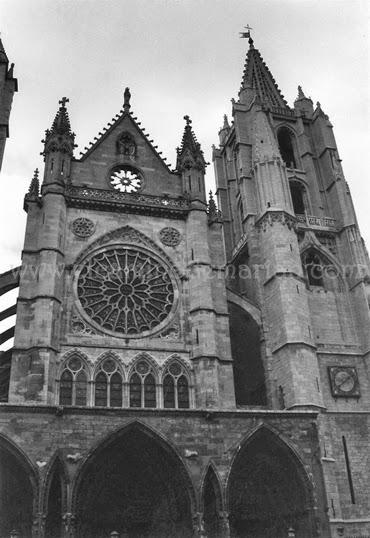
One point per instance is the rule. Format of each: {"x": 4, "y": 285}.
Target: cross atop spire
{"x": 63, "y": 101}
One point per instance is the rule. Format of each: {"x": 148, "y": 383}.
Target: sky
{"x": 178, "y": 57}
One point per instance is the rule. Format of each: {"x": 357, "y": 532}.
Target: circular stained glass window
{"x": 125, "y": 179}
{"x": 126, "y": 291}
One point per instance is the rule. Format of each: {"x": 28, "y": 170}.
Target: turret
{"x": 191, "y": 164}
{"x": 59, "y": 143}
{"x": 303, "y": 104}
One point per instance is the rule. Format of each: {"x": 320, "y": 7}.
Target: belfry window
{"x": 286, "y": 147}
{"x": 176, "y": 387}
{"x": 297, "y": 192}
{"x": 73, "y": 383}
{"x": 143, "y": 386}
{"x": 108, "y": 385}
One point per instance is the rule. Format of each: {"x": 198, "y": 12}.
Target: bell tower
{"x": 295, "y": 254}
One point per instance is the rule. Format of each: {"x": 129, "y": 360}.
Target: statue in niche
{"x": 126, "y": 146}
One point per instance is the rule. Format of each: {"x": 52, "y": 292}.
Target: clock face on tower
{"x": 344, "y": 381}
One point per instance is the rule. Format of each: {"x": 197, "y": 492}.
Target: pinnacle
{"x": 61, "y": 123}
{"x": 34, "y": 187}
{"x": 190, "y": 147}
{"x": 3, "y": 56}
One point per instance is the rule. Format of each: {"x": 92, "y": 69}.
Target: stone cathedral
{"x": 183, "y": 368}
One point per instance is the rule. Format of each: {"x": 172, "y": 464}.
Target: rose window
{"x": 125, "y": 179}
{"x": 125, "y": 291}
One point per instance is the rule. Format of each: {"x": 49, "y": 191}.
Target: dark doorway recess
{"x": 249, "y": 376}
{"x": 16, "y": 494}
{"x": 134, "y": 485}
{"x": 212, "y": 505}
{"x": 268, "y": 491}
{"x": 53, "y": 526}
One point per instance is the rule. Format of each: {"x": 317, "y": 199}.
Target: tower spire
{"x": 257, "y": 76}
{"x": 60, "y": 136}
{"x": 189, "y": 154}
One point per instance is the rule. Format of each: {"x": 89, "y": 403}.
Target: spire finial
{"x": 247, "y": 35}
{"x": 188, "y": 120}
{"x": 301, "y": 94}
{"x": 34, "y": 188}
{"x": 126, "y": 102}
{"x": 226, "y": 123}
{"x": 63, "y": 101}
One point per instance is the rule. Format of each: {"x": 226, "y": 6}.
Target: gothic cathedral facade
{"x": 181, "y": 368}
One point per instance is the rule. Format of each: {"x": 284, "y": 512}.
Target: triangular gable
{"x": 112, "y": 126}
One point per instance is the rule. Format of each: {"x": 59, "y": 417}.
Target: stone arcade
{"x": 180, "y": 370}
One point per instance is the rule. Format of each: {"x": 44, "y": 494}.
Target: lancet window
{"x": 73, "y": 382}
{"x": 176, "y": 387}
{"x": 143, "y": 385}
{"x": 108, "y": 384}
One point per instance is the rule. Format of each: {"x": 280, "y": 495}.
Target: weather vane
{"x": 246, "y": 34}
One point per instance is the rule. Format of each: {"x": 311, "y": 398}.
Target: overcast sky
{"x": 178, "y": 57}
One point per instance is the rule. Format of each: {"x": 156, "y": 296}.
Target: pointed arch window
{"x": 176, "y": 392}
{"x": 108, "y": 384}
{"x": 286, "y": 143}
{"x": 73, "y": 382}
{"x": 321, "y": 272}
{"x": 143, "y": 385}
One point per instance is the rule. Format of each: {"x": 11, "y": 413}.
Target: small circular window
{"x": 125, "y": 178}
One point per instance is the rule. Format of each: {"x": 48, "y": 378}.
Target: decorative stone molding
{"x": 134, "y": 202}
{"x": 83, "y": 227}
{"x": 78, "y": 326}
{"x": 276, "y": 217}
{"x": 170, "y": 237}
{"x": 171, "y": 333}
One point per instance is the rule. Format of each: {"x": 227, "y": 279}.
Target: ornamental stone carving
{"x": 126, "y": 291}
{"x": 83, "y": 227}
{"x": 170, "y": 237}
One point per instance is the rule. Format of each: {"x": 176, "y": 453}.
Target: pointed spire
{"x": 226, "y": 122}
{"x": 126, "y": 102}
{"x": 257, "y": 76}
{"x": 214, "y": 215}
{"x": 34, "y": 188}
{"x": 189, "y": 154}
{"x": 3, "y": 56}
{"x": 224, "y": 131}
{"x": 303, "y": 104}
{"x": 301, "y": 95}
{"x": 60, "y": 137}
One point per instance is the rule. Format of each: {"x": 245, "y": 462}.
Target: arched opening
{"x": 268, "y": 491}
{"x": 16, "y": 492}
{"x": 286, "y": 147}
{"x": 55, "y": 502}
{"x": 249, "y": 375}
{"x": 212, "y": 505}
{"x": 320, "y": 271}
{"x": 134, "y": 485}
{"x": 176, "y": 386}
{"x": 73, "y": 382}
{"x": 298, "y": 195}
{"x": 143, "y": 385}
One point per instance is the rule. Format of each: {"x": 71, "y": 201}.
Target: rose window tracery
{"x": 126, "y": 291}
{"x": 83, "y": 227}
{"x": 126, "y": 179}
